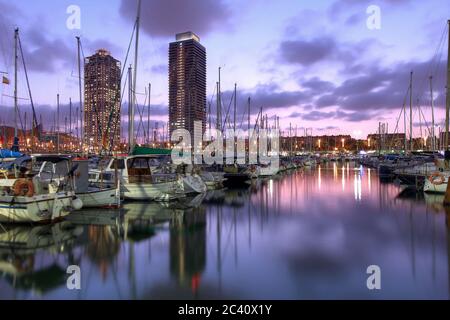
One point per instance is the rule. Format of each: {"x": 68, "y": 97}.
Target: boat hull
{"x": 430, "y": 187}
{"x": 164, "y": 191}
{"x": 37, "y": 209}
{"x": 100, "y": 198}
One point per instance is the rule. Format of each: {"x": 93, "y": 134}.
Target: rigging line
{"x": 228, "y": 112}
{"x": 82, "y": 51}
{"x": 22, "y": 127}
{"x": 421, "y": 92}
{"x": 401, "y": 111}
{"x": 29, "y": 88}
{"x": 121, "y": 78}
{"x": 141, "y": 122}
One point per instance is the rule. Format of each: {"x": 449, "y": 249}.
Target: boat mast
{"x": 57, "y": 123}
{"x": 433, "y": 142}
{"x": 235, "y": 105}
{"x": 410, "y": 113}
{"x": 219, "y": 104}
{"x": 80, "y": 94}
{"x": 148, "y": 117}
{"x": 405, "y": 147}
{"x": 447, "y": 101}
{"x": 217, "y": 107}
{"x": 133, "y": 104}
{"x": 16, "y": 106}
{"x": 248, "y": 126}
{"x": 130, "y": 107}
{"x": 209, "y": 120}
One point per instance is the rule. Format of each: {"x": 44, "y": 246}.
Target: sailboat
{"x": 437, "y": 182}
{"x": 24, "y": 197}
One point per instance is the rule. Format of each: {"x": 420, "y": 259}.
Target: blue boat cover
{"x": 5, "y": 153}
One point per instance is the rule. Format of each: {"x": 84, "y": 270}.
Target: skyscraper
{"x": 101, "y": 101}
{"x": 187, "y": 83}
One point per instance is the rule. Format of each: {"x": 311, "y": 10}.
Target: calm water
{"x": 310, "y": 234}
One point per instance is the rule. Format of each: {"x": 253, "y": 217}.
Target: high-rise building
{"x": 101, "y": 101}
{"x": 187, "y": 83}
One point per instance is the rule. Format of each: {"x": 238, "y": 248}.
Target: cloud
{"x": 316, "y": 115}
{"x": 322, "y": 49}
{"x": 268, "y": 96}
{"x": 378, "y": 88}
{"x": 161, "y": 68}
{"x": 42, "y": 52}
{"x": 91, "y": 46}
{"x": 318, "y": 85}
{"x": 165, "y": 18}
{"x": 307, "y": 52}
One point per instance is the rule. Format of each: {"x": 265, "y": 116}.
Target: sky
{"x": 315, "y": 64}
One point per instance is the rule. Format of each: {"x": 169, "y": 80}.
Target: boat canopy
{"x": 140, "y": 151}
{"x": 6, "y": 153}
{"x": 52, "y": 159}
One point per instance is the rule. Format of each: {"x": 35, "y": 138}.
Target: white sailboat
{"x": 137, "y": 181}
{"x": 24, "y": 198}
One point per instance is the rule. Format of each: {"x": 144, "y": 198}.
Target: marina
{"x": 153, "y": 156}
{"x": 280, "y": 238}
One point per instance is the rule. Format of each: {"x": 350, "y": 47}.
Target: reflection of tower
{"x": 188, "y": 247}
{"x": 103, "y": 247}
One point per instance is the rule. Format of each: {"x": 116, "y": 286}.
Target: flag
{"x": 5, "y": 80}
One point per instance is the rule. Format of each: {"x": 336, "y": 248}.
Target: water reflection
{"x": 26, "y": 272}
{"x": 310, "y": 234}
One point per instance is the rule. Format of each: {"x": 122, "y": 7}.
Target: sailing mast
{"x": 219, "y": 105}
{"x": 433, "y": 140}
{"x": 405, "y": 143}
{"x": 130, "y": 107}
{"x": 134, "y": 81}
{"x": 235, "y": 105}
{"x": 148, "y": 117}
{"x": 16, "y": 106}
{"x": 410, "y": 113}
{"x": 57, "y": 123}
{"x": 80, "y": 94}
{"x": 447, "y": 101}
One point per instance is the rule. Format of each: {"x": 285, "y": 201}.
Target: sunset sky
{"x": 314, "y": 63}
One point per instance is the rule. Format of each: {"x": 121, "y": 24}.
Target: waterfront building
{"x": 102, "y": 75}
{"x": 187, "y": 83}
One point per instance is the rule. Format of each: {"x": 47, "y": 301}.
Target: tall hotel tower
{"x": 101, "y": 101}
{"x": 187, "y": 83}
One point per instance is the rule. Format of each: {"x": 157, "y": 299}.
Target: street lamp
{"x": 319, "y": 143}
{"x": 343, "y": 143}
{"x": 368, "y": 142}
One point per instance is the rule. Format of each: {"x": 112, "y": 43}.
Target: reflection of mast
{"x": 219, "y": 246}
{"x": 132, "y": 271}
{"x": 103, "y": 247}
{"x": 188, "y": 247}
{"x": 235, "y": 238}
{"x": 413, "y": 248}
{"x": 447, "y": 223}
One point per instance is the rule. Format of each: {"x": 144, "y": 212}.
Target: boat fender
{"x": 77, "y": 204}
{"x": 23, "y": 187}
{"x": 437, "y": 178}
